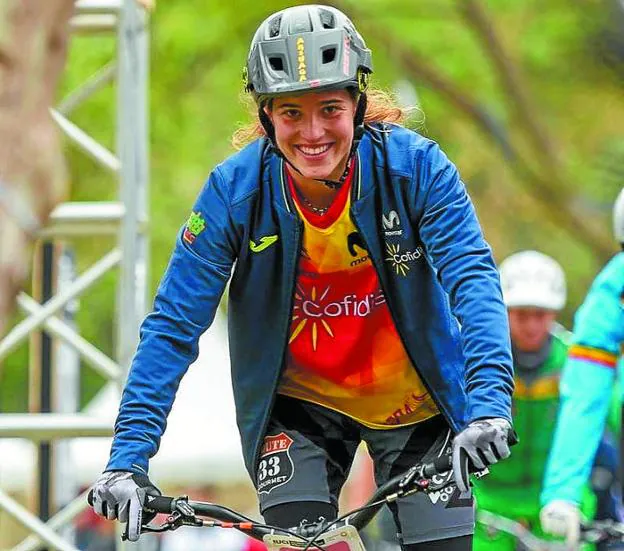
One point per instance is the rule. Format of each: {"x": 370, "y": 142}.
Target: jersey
{"x": 512, "y": 488}
{"x": 344, "y": 351}
{"x": 514, "y": 485}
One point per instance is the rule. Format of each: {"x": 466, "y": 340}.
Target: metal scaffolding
{"x": 125, "y": 218}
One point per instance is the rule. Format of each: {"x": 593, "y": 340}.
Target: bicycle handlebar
{"x": 182, "y": 511}
{"x": 184, "y": 507}
{"x": 168, "y": 505}
{"x": 418, "y": 478}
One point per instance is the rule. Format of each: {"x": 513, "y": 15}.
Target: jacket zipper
{"x": 267, "y": 416}
{"x": 399, "y": 331}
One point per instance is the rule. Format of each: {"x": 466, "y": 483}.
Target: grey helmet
{"x": 618, "y": 218}
{"x": 306, "y": 48}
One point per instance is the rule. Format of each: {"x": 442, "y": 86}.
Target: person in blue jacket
{"x": 586, "y": 391}
{"x": 364, "y": 303}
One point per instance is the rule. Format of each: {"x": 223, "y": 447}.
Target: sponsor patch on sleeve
{"x": 194, "y": 226}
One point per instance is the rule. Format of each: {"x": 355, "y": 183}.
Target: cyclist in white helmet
{"x": 534, "y": 291}
{"x": 586, "y": 389}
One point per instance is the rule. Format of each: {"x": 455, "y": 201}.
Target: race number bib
{"x": 339, "y": 539}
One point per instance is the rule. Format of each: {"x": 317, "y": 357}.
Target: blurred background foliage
{"x": 525, "y": 96}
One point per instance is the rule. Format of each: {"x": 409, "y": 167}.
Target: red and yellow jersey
{"x": 344, "y": 351}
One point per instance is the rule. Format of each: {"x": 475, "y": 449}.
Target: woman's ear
{"x": 268, "y": 112}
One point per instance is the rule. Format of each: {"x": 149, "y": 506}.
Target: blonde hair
{"x": 381, "y": 107}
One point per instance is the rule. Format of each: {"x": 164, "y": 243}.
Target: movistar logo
{"x": 264, "y": 243}
{"x": 390, "y": 222}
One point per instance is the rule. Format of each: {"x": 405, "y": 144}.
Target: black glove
{"x": 484, "y": 442}
{"x": 121, "y": 495}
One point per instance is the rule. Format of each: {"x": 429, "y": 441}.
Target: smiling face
{"x": 314, "y": 131}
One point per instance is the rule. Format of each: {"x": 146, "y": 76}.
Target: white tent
{"x": 201, "y": 443}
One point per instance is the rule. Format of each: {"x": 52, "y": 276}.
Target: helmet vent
{"x": 300, "y": 23}
{"x": 329, "y": 55}
{"x": 274, "y": 26}
{"x": 276, "y": 63}
{"x": 327, "y": 19}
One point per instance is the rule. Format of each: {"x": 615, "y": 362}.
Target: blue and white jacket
{"x": 247, "y": 222}
{"x": 587, "y": 385}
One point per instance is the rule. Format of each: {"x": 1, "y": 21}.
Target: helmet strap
{"x": 266, "y": 123}
{"x": 358, "y": 122}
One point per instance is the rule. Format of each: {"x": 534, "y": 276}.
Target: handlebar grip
{"x": 438, "y": 465}
{"x": 445, "y": 463}
{"x": 159, "y": 504}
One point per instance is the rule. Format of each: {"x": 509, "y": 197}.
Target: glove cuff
{"x": 142, "y": 481}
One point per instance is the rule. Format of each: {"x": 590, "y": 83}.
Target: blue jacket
{"x": 587, "y": 385}
{"x": 420, "y": 229}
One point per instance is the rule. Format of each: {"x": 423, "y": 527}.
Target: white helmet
{"x": 532, "y": 279}
{"x": 618, "y": 218}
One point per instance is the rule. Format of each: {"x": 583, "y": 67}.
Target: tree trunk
{"x": 547, "y": 188}
{"x": 33, "y": 43}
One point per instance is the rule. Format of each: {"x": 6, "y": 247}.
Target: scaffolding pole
{"x": 125, "y": 219}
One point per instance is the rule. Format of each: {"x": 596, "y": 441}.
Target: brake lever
{"x": 409, "y": 476}
{"x": 183, "y": 515}
{"x": 182, "y": 506}
{"x": 415, "y": 480}
{"x": 151, "y": 529}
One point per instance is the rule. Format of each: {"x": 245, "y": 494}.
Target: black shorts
{"x": 308, "y": 451}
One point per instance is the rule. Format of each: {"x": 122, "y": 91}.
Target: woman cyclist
{"x": 364, "y": 303}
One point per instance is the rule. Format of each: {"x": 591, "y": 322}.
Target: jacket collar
{"x": 366, "y": 166}
{"x": 363, "y": 180}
